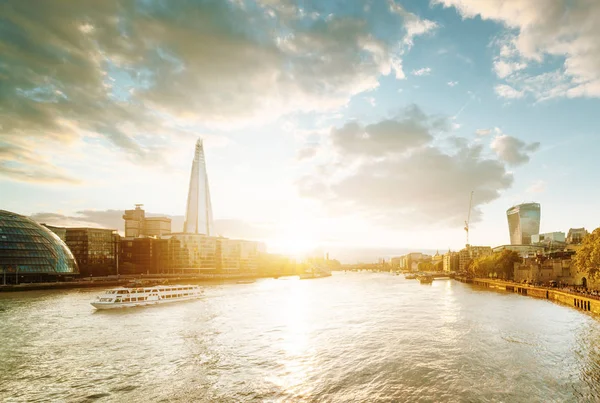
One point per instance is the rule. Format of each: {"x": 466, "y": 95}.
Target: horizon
{"x": 351, "y": 128}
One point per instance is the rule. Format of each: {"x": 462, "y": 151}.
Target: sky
{"x": 336, "y": 125}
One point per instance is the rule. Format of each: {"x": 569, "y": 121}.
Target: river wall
{"x": 574, "y": 300}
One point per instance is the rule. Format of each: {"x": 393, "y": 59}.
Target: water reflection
{"x": 347, "y": 337}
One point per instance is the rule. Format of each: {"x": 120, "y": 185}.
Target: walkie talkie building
{"x": 198, "y": 215}
{"x": 523, "y": 222}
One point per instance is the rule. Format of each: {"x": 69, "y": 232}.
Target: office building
{"x": 30, "y": 252}
{"x": 575, "y": 235}
{"x": 157, "y": 226}
{"x": 524, "y": 251}
{"x": 144, "y": 256}
{"x": 451, "y": 261}
{"x": 198, "y": 215}
{"x": 138, "y": 225}
{"x": 95, "y": 250}
{"x": 523, "y": 222}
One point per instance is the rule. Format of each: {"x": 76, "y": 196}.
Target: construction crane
{"x": 469, "y": 217}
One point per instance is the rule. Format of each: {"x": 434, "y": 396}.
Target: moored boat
{"x": 315, "y": 272}
{"x": 426, "y": 279}
{"x": 122, "y": 297}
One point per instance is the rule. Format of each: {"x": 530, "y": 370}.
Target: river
{"x": 350, "y": 337}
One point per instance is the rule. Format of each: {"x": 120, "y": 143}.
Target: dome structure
{"x": 27, "y": 248}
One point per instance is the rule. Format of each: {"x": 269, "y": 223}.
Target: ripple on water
{"x": 349, "y": 337}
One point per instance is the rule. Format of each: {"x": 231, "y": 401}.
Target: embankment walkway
{"x": 574, "y": 300}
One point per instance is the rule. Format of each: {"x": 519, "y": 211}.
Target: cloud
{"x": 307, "y": 152}
{"x": 483, "y": 132}
{"x": 409, "y": 130}
{"x": 425, "y": 71}
{"x": 512, "y": 150}
{"x": 132, "y": 73}
{"x": 506, "y": 91}
{"x": 555, "y": 28}
{"x": 413, "y": 25}
{"x": 503, "y": 69}
{"x": 26, "y": 165}
{"x": 537, "y": 187}
{"x": 452, "y": 83}
{"x": 406, "y": 177}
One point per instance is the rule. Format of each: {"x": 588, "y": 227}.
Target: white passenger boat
{"x": 122, "y": 297}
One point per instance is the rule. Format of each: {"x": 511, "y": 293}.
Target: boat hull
{"x": 120, "y": 305}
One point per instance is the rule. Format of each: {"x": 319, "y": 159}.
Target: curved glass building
{"x": 523, "y": 222}
{"x": 31, "y": 252}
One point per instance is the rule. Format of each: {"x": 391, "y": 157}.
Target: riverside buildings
{"x": 151, "y": 248}
{"x": 94, "y": 249}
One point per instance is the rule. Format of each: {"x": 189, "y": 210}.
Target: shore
{"x": 577, "y": 301}
{"x": 130, "y": 281}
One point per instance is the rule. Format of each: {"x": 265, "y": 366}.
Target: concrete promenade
{"x": 575, "y": 300}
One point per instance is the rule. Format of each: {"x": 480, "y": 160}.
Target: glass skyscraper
{"x": 523, "y": 222}
{"x": 198, "y": 215}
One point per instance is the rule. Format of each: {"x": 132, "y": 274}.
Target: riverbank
{"x": 576, "y": 301}
{"x": 129, "y": 281}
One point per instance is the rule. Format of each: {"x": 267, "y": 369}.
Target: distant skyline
{"x": 362, "y": 126}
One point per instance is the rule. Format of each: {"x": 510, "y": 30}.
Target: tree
{"x": 498, "y": 265}
{"x": 587, "y": 258}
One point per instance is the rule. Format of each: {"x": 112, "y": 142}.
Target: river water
{"x": 350, "y": 337}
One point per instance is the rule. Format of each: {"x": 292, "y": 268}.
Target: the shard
{"x": 198, "y": 215}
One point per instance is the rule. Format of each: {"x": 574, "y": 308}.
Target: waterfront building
{"x": 144, "y": 256}
{"x": 555, "y": 266}
{"x": 138, "y": 225}
{"x": 451, "y": 261}
{"x": 575, "y": 236}
{"x": 471, "y": 252}
{"x": 95, "y": 250}
{"x": 60, "y": 231}
{"x": 30, "y": 252}
{"x": 524, "y": 251}
{"x": 198, "y": 253}
{"x": 412, "y": 260}
{"x": 395, "y": 262}
{"x": 192, "y": 253}
{"x": 198, "y": 214}
{"x": 157, "y": 226}
{"x": 437, "y": 260}
{"x": 523, "y": 222}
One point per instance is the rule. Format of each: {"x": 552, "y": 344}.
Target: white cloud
{"x": 503, "y": 68}
{"x": 566, "y": 29}
{"x": 483, "y": 132}
{"x": 212, "y": 64}
{"x": 506, "y": 91}
{"x": 452, "y": 83}
{"x": 413, "y": 25}
{"x": 396, "y": 175}
{"x": 512, "y": 150}
{"x": 425, "y": 71}
{"x": 537, "y": 187}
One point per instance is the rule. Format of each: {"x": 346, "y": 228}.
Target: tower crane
{"x": 469, "y": 217}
